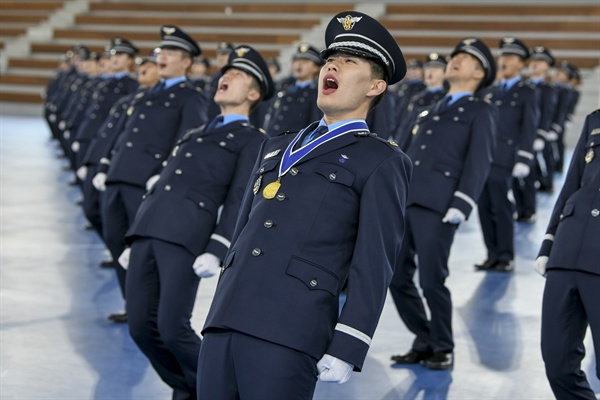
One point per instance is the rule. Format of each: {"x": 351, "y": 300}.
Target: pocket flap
{"x": 313, "y": 276}
{"x": 335, "y": 173}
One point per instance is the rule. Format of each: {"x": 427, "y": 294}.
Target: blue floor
{"x": 54, "y": 299}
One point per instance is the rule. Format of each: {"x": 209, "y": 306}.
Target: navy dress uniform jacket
{"x": 517, "y": 127}
{"x": 451, "y": 152}
{"x": 205, "y": 170}
{"x": 573, "y": 233}
{"x": 338, "y": 215}
{"x": 103, "y": 99}
{"x": 293, "y": 109}
{"x": 417, "y": 105}
{"x": 154, "y": 123}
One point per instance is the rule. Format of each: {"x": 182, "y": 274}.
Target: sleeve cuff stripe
{"x": 525, "y": 154}
{"x": 548, "y": 236}
{"x": 104, "y": 161}
{"x": 221, "y": 240}
{"x": 354, "y": 333}
{"x": 466, "y": 198}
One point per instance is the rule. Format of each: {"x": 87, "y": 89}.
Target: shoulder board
{"x": 390, "y": 143}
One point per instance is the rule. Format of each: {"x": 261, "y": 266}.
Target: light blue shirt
{"x": 457, "y": 96}
{"x": 173, "y": 81}
{"x": 510, "y": 82}
{"x": 229, "y": 118}
{"x": 121, "y": 75}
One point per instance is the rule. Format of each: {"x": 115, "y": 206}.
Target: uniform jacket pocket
{"x": 313, "y": 276}
{"x": 335, "y": 173}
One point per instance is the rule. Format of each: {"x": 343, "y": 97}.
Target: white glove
{"x": 152, "y": 181}
{"x": 81, "y": 172}
{"x": 333, "y": 369}
{"x": 520, "y": 170}
{"x": 99, "y": 181}
{"x": 454, "y": 216}
{"x": 75, "y": 146}
{"x": 124, "y": 258}
{"x": 551, "y": 136}
{"x": 207, "y": 265}
{"x": 539, "y": 144}
{"x": 540, "y": 265}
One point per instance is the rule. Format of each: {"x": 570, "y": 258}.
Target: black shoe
{"x": 527, "y": 220}
{"x": 440, "y": 361}
{"x": 118, "y": 318}
{"x": 106, "y": 264}
{"x": 87, "y": 227}
{"x": 505, "y": 266}
{"x": 487, "y": 264}
{"x": 412, "y": 357}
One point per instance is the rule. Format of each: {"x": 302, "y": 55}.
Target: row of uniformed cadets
{"x": 155, "y": 177}
{"x": 459, "y": 175}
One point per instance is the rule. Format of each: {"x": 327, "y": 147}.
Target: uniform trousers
{"x": 430, "y": 239}
{"x": 571, "y": 302}
{"x": 91, "y": 202}
{"x": 119, "y": 207}
{"x": 496, "y": 215}
{"x": 161, "y": 292}
{"x": 546, "y": 178}
{"x": 234, "y": 366}
{"x": 524, "y": 193}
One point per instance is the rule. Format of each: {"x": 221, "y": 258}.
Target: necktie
{"x": 214, "y": 124}
{"x": 444, "y": 104}
{"x": 314, "y": 134}
{"x": 159, "y": 86}
{"x": 503, "y": 87}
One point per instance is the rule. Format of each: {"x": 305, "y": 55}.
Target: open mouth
{"x": 330, "y": 84}
{"x": 162, "y": 65}
{"x": 223, "y": 87}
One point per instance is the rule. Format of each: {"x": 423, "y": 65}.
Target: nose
{"x": 331, "y": 66}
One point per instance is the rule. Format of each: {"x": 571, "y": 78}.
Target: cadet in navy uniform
{"x": 524, "y": 190}
{"x": 563, "y": 73}
{"x": 569, "y": 258}
{"x": 156, "y": 120}
{"x": 540, "y": 62}
{"x": 296, "y": 106}
{"x": 518, "y": 104}
{"x": 175, "y": 232}
{"x": 451, "y": 150}
{"x": 120, "y": 84}
{"x": 318, "y": 210}
{"x": 106, "y": 137}
{"x": 434, "y": 76}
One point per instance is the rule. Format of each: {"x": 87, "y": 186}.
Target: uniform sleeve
{"x": 220, "y": 240}
{"x": 478, "y": 160}
{"x": 529, "y": 124}
{"x": 548, "y": 98}
{"x": 571, "y": 185}
{"x": 379, "y": 238}
{"x": 560, "y": 114}
{"x": 104, "y": 162}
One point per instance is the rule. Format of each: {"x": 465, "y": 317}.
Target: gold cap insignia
{"x": 303, "y": 48}
{"x": 434, "y": 56}
{"x": 348, "y": 22}
{"x": 539, "y": 49}
{"x": 242, "y": 51}
{"x": 169, "y": 30}
{"x": 469, "y": 41}
{"x": 508, "y": 39}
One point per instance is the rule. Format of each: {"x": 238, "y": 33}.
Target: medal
{"x": 257, "y": 185}
{"x": 589, "y": 156}
{"x": 271, "y": 189}
{"x": 292, "y": 157}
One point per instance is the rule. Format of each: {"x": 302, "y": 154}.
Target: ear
{"x": 479, "y": 74}
{"x": 253, "y": 95}
{"x": 378, "y": 86}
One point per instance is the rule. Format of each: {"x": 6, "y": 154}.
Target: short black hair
{"x": 377, "y": 72}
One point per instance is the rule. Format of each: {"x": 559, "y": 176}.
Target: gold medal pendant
{"x": 589, "y": 156}
{"x": 271, "y": 189}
